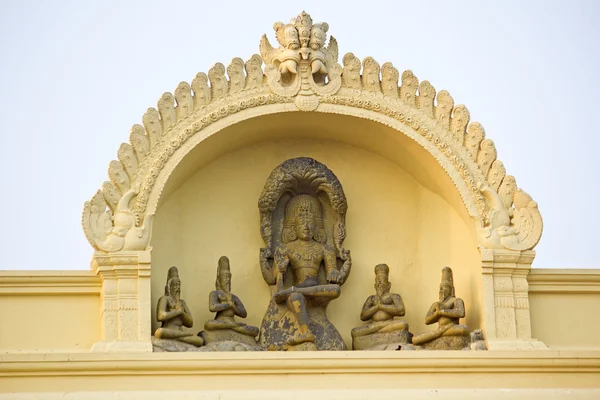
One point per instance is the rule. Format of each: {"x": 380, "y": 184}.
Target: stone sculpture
{"x": 121, "y": 231}
{"x": 447, "y": 312}
{"x": 303, "y": 259}
{"x": 226, "y": 305}
{"x": 302, "y": 65}
{"x": 174, "y": 314}
{"x": 303, "y": 251}
{"x": 382, "y": 331}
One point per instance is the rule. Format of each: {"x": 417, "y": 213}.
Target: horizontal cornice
{"x": 49, "y": 282}
{"x": 564, "y": 281}
{"x": 280, "y": 363}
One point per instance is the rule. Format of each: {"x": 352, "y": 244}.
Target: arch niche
{"x": 424, "y": 187}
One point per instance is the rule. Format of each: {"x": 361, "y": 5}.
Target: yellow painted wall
{"x": 53, "y": 323}
{"x": 566, "y": 320}
{"x": 392, "y": 218}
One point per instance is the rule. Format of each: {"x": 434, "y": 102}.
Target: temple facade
{"x": 305, "y": 224}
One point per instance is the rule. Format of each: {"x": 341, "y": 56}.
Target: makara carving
{"x": 123, "y": 231}
{"x": 382, "y": 331}
{"x": 303, "y": 210}
{"x": 447, "y": 312}
{"x": 518, "y": 228}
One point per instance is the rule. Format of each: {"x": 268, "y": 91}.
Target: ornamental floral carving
{"x": 305, "y": 72}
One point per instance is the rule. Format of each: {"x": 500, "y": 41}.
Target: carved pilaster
{"x": 110, "y": 308}
{"x": 521, "y": 293}
{"x": 507, "y": 317}
{"x": 125, "y": 325}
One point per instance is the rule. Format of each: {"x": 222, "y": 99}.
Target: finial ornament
{"x": 302, "y": 65}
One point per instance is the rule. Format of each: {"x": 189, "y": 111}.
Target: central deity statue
{"x": 304, "y": 250}
{"x": 303, "y": 224}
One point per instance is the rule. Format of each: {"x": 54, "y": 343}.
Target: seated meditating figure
{"x": 379, "y": 310}
{"x": 447, "y": 312}
{"x": 227, "y": 306}
{"x": 174, "y": 314}
{"x": 303, "y": 249}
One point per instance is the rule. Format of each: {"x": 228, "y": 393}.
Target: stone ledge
{"x": 28, "y": 364}
{"x": 575, "y": 281}
{"x": 49, "y": 282}
{"x": 332, "y": 394}
{"x": 340, "y": 372}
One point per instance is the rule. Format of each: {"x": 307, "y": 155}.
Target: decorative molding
{"x": 330, "y": 394}
{"x": 304, "y": 74}
{"x": 25, "y": 283}
{"x": 279, "y": 363}
{"x": 564, "y": 281}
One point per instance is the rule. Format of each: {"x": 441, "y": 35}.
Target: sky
{"x": 76, "y": 75}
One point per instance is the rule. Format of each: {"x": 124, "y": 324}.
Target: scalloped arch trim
{"x": 119, "y": 216}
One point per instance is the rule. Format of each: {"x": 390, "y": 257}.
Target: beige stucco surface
{"x": 332, "y": 394}
{"x": 392, "y": 218}
{"x": 297, "y": 375}
{"x": 566, "y": 320}
{"x": 49, "y": 323}
{"x": 564, "y": 308}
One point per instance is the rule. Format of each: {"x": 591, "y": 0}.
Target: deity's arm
{"x": 214, "y": 304}
{"x": 457, "y": 312}
{"x": 397, "y": 308}
{"x": 266, "y": 268}
{"x": 330, "y": 260}
{"x": 186, "y": 315}
{"x": 281, "y": 261}
{"x": 238, "y": 307}
{"x": 433, "y": 314}
{"x": 161, "y": 310}
{"x": 369, "y": 309}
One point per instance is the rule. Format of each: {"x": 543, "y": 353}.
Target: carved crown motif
{"x": 302, "y": 64}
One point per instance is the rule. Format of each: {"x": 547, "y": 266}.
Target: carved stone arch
{"x": 119, "y": 216}
{"x": 491, "y": 200}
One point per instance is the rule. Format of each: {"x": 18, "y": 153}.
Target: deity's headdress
{"x": 447, "y": 279}
{"x": 172, "y": 275}
{"x": 302, "y": 206}
{"x": 303, "y": 23}
{"x": 222, "y": 268}
{"x": 382, "y": 269}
